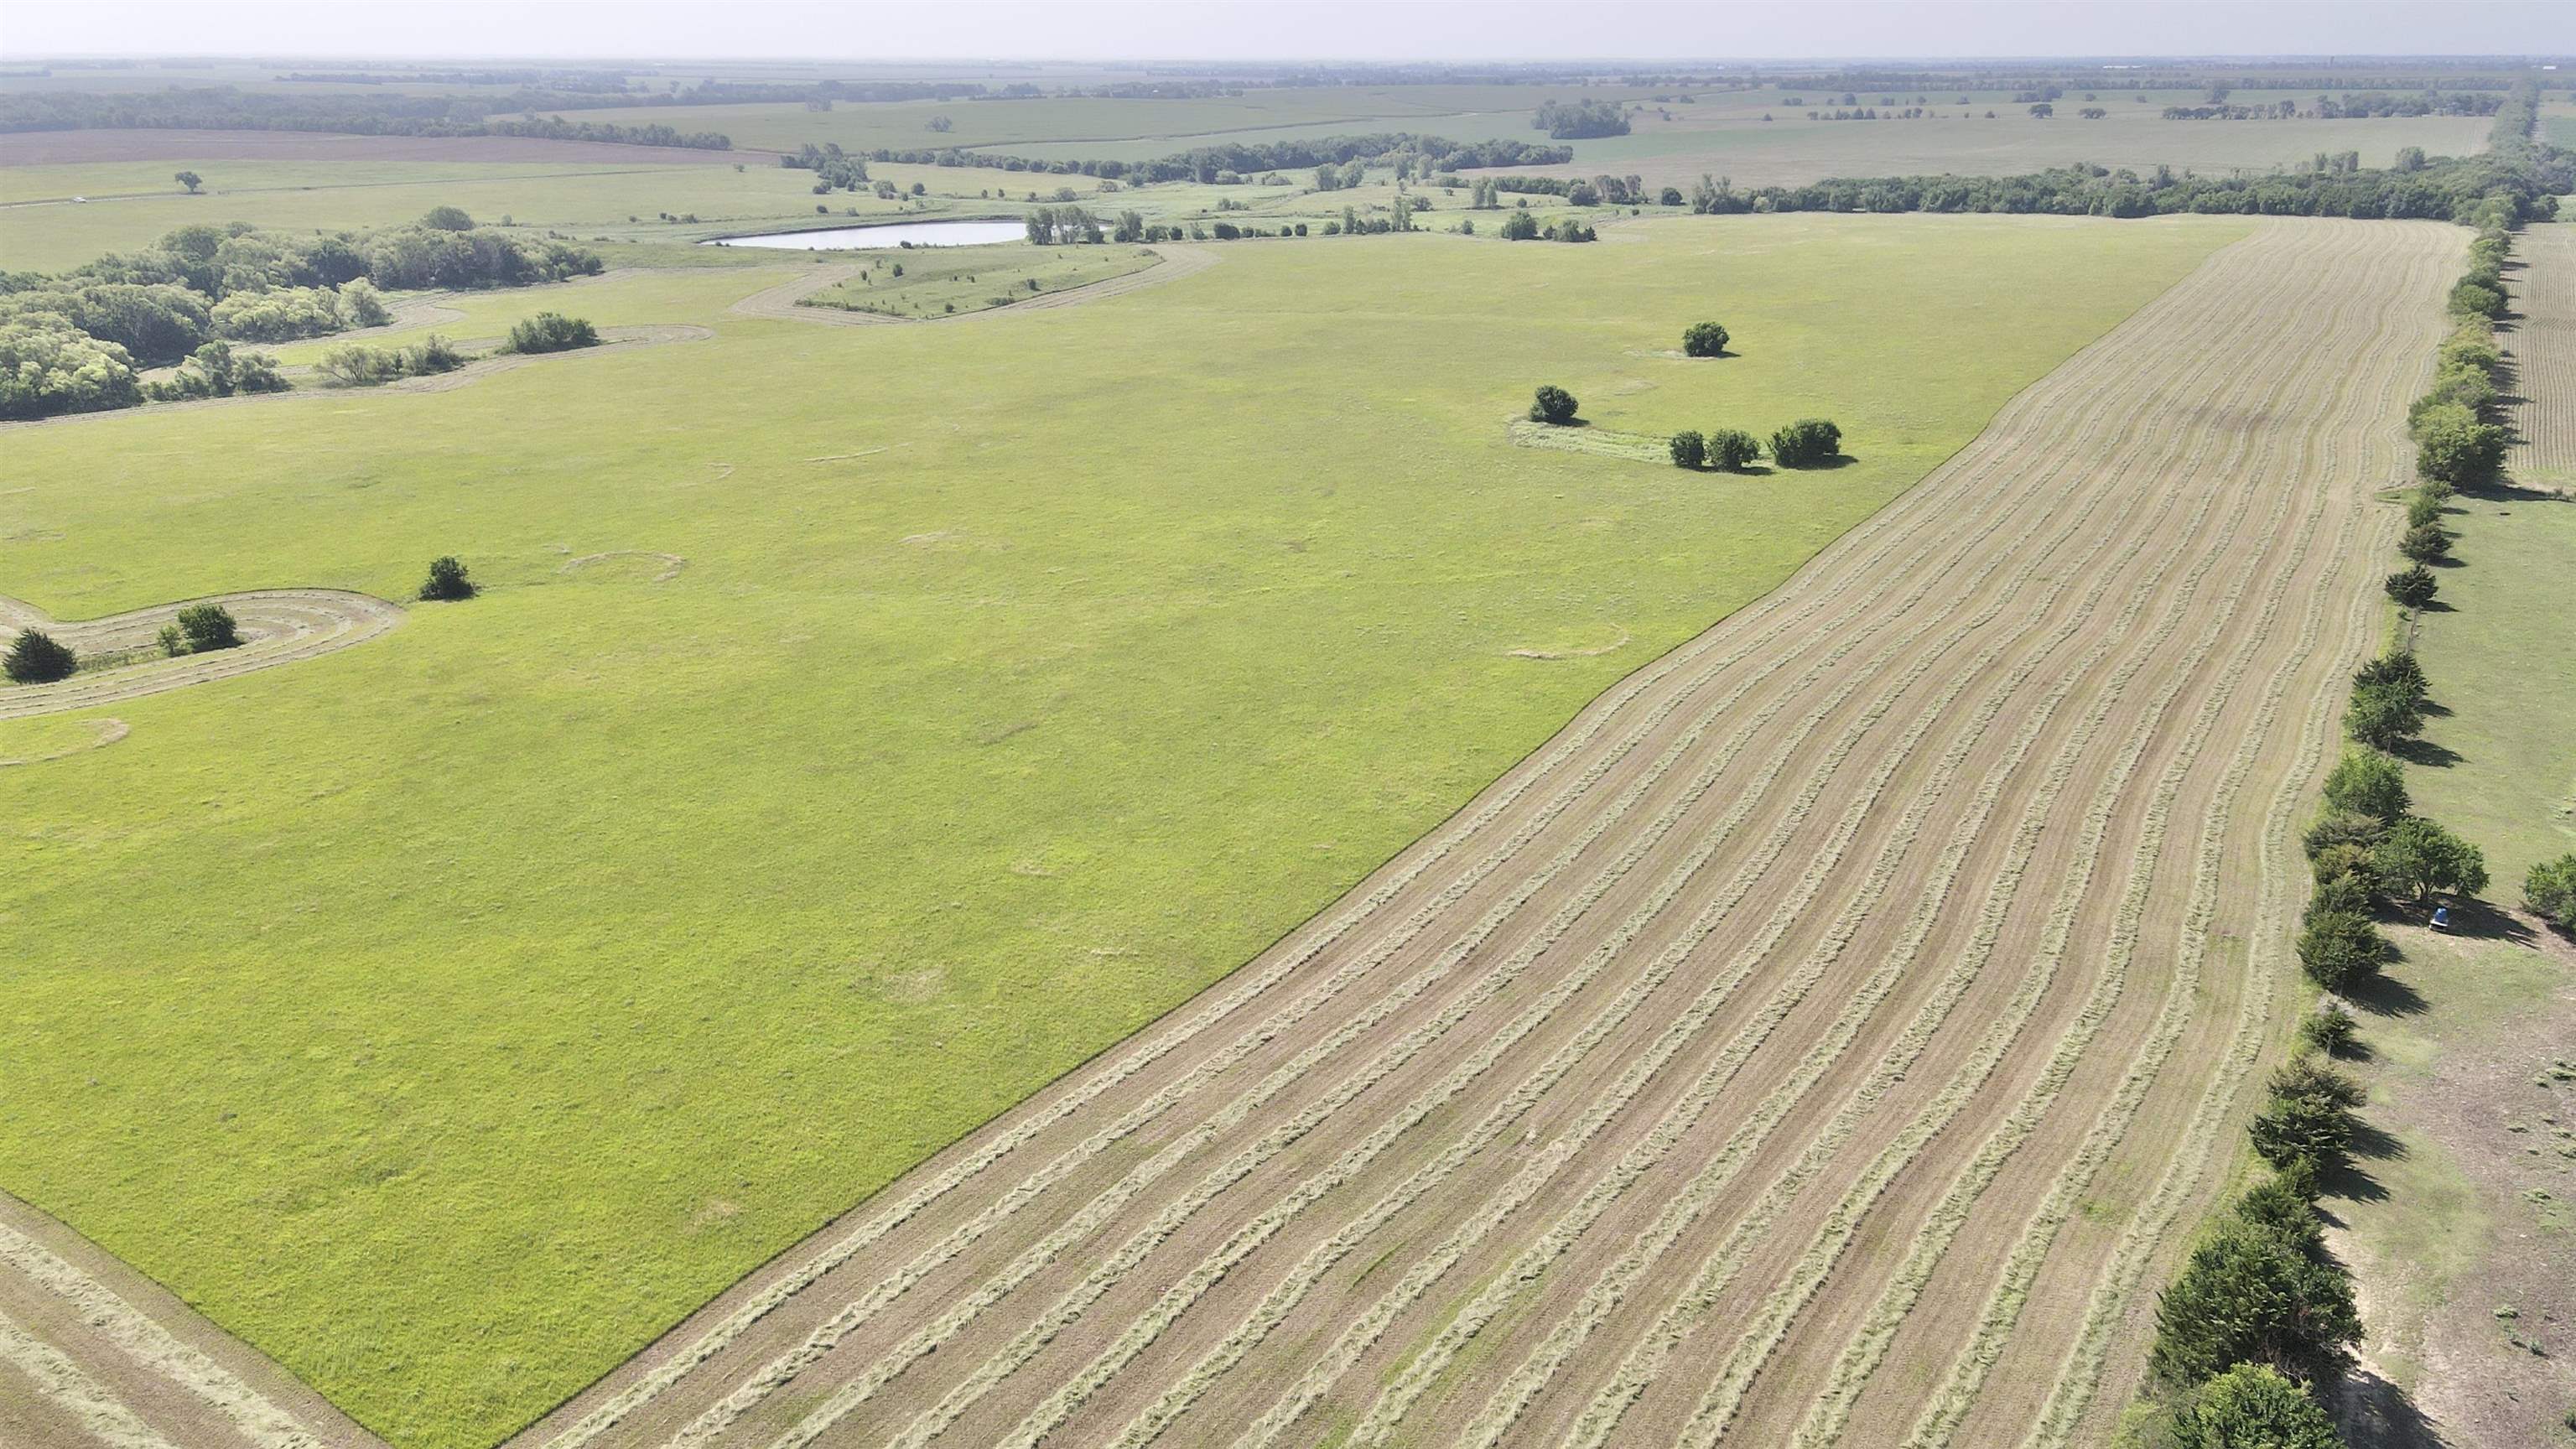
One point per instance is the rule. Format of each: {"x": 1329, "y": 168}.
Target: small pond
{"x": 884, "y": 238}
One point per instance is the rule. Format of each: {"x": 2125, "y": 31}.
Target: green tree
{"x": 2249, "y": 1295}
{"x": 2309, "y": 1116}
{"x": 1520, "y": 226}
{"x": 2345, "y": 894}
{"x": 447, "y": 218}
{"x": 2367, "y": 783}
{"x": 2549, "y": 891}
{"x": 1733, "y": 449}
{"x": 2251, "y": 1406}
{"x": 447, "y": 579}
{"x": 1553, "y": 405}
{"x": 2382, "y": 716}
{"x": 1806, "y": 443}
{"x": 1689, "y": 449}
{"x": 190, "y": 180}
{"x": 2398, "y": 669}
{"x": 208, "y": 627}
{"x": 2413, "y": 586}
{"x": 550, "y": 332}
{"x": 2453, "y": 447}
{"x": 2424, "y": 542}
{"x": 1704, "y": 339}
{"x": 2339, "y": 950}
{"x": 36, "y": 657}
{"x": 2422, "y": 858}
{"x": 2343, "y": 827}
{"x": 2328, "y": 1029}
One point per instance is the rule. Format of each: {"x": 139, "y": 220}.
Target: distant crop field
{"x": 863, "y": 726}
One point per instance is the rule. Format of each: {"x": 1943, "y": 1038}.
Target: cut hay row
{"x": 1860, "y": 1357}
{"x": 2150, "y": 1233}
{"x": 2006, "y": 1299}
{"x": 1377, "y": 1314}
{"x": 278, "y": 626}
{"x": 1800, "y": 756}
{"x": 59, "y": 1381}
{"x": 1717, "y": 1407}
{"x": 781, "y": 1371}
{"x": 782, "y": 302}
{"x": 1645, "y": 1362}
{"x": 2542, "y": 347}
{"x": 152, "y": 1348}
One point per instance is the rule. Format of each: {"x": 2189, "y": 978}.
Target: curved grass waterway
{"x": 883, "y": 238}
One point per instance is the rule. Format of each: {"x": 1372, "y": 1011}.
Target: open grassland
{"x": 1023, "y": 677}
{"x": 2459, "y": 1214}
{"x": 970, "y": 279}
{"x": 1815, "y": 1042}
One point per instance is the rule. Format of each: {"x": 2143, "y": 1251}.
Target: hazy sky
{"x": 1208, "y": 29}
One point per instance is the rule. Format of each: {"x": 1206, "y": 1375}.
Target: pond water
{"x": 883, "y": 238}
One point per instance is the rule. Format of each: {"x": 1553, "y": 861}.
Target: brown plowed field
{"x": 278, "y": 626}
{"x": 1824, "y": 1039}
{"x": 2542, "y": 345}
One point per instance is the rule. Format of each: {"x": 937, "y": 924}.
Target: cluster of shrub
{"x": 1525, "y": 226}
{"x": 36, "y": 657}
{"x": 1580, "y": 120}
{"x": 227, "y": 108}
{"x": 74, "y": 342}
{"x": 1414, "y": 154}
{"x": 1806, "y": 443}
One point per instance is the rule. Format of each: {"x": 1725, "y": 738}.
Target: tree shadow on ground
{"x": 2377, "y": 1414}
{"x": 2507, "y": 491}
{"x": 2428, "y": 754}
{"x": 2479, "y": 921}
{"x": 2351, "y": 1181}
{"x": 2385, "y": 995}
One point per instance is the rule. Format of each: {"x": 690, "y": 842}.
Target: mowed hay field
{"x": 1827, "y": 1038}
{"x": 481, "y": 1000}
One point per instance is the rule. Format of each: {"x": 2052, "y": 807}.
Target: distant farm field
{"x": 481, "y": 1000}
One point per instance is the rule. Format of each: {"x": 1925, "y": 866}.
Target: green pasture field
{"x": 939, "y": 282}
{"x": 451, "y": 1014}
{"x": 2501, "y": 653}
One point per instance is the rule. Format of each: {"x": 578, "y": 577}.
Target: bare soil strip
{"x": 778, "y": 303}
{"x": 104, "y": 1357}
{"x": 1814, "y": 1043}
{"x": 278, "y": 626}
{"x": 2541, "y": 342}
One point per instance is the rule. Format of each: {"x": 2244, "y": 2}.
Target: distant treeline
{"x": 556, "y": 80}
{"x": 2518, "y": 179}
{"x": 2349, "y": 107}
{"x": 1580, "y": 120}
{"x": 1208, "y": 163}
{"x": 228, "y": 108}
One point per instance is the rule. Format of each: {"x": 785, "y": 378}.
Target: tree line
{"x": 1421, "y": 155}
{"x": 74, "y": 342}
{"x": 1580, "y": 120}
{"x": 228, "y": 108}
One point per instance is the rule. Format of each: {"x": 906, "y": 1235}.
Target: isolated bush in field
{"x": 2343, "y": 827}
{"x": 1689, "y": 449}
{"x": 1519, "y": 226}
{"x": 190, "y": 180}
{"x": 36, "y": 657}
{"x": 2328, "y": 1029}
{"x": 2413, "y": 587}
{"x": 2424, "y": 542}
{"x": 2365, "y": 783}
{"x": 2339, "y": 950}
{"x": 2383, "y": 716}
{"x": 2252, "y": 1407}
{"x": 1806, "y": 443}
{"x": 447, "y": 218}
{"x": 208, "y": 627}
{"x": 1553, "y": 405}
{"x": 2549, "y": 891}
{"x": 551, "y": 332}
{"x": 447, "y": 579}
{"x": 1732, "y": 449}
{"x": 1704, "y": 339}
{"x": 2248, "y": 1295}
{"x": 2421, "y": 858}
